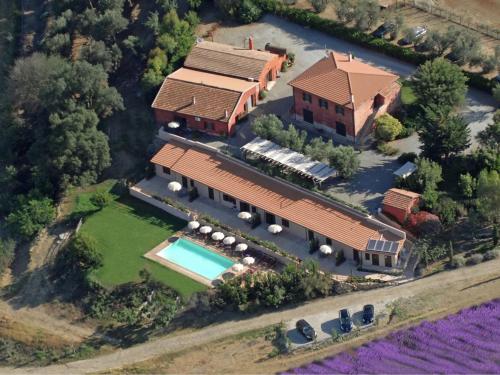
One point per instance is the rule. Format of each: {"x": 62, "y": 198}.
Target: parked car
{"x": 383, "y": 30}
{"x": 306, "y": 329}
{"x": 418, "y": 32}
{"x": 368, "y": 314}
{"x": 345, "y": 320}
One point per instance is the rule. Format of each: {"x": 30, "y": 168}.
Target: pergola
{"x": 289, "y": 160}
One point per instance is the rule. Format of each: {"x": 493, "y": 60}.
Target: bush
{"x": 387, "y": 128}
{"x": 491, "y": 254}
{"x": 319, "y": 5}
{"x": 249, "y": 12}
{"x": 474, "y": 259}
{"x": 262, "y": 94}
{"x": 291, "y": 58}
{"x": 457, "y": 262}
{"x": 387, "y": 149}
{"x": 255, "y": 220}
{"x": 31, "y": 217}
{"x": 101, "y": 199}
{"x": 6, "y": 254}
{"x": 407, "y": 156}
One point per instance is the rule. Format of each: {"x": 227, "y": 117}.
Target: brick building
{"x": 398, "y": 203}
{"x": 343, "y": 96}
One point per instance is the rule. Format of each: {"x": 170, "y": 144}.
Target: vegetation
{"x": 343, "y": 158}
{"x": 387, "y": 128}
{"x": 31, "y": 216}
{"x": 245, "y": 11}
{"x": 296, "y": 283}
{"x": 6, "y": 254}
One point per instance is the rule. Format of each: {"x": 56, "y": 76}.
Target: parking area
{"x": 327, "y": 323}
{"x": 375, "y": 175}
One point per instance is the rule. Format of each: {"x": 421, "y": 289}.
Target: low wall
{"x": 135, "y": 192}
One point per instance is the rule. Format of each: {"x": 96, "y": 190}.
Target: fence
{"x": 465, "y": 21}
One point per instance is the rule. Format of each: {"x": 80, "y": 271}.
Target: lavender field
{"x": 464, "y": 343}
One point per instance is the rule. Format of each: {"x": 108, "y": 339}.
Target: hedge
{"x": 309, "y": 19}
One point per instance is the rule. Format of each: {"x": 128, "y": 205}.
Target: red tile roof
{"x": 215, "y": 170}
{"x": 340, "y": 79}
{"x": 398, "y": 198}
{"x": 228, "y": 60}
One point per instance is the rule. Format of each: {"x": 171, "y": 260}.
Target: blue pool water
{"x": 195, "y": 258}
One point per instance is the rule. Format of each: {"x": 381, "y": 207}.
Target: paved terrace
{"x": 287, "y": 241}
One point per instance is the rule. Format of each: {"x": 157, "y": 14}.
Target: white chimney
{"x": 352, "y": 98}
{"x": 194, "y": 100}
{"x": 350, "y": 56}
{"x": 226, "y": 114}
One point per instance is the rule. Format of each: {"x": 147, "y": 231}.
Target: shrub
{"x": 193, "y": 194}
{"x": 407, "y": 156}
{"x": 474, "y": 259}
{"x": 291, "y": 58}
{"x": 262, "y": 94}
{"x": 319, "y": 5}
{"x": 255, "y": 220}
{"x": 406, "y": 132}
{"x": 101, "y": 199}
{"x": 491, "y": 254}
{"x": 457, "y": 262}
{"x": 284, "y": 66}
{"x": 249, "y": 12}
{"x": 6, "y": 254}
{"x": 387, "y": 149}
{"x": 31, "y": 217}
{"x": 387, "y": 128}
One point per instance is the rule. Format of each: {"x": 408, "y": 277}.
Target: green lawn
{"x": 407, "y": 95}
{"x": 125, "y": 231}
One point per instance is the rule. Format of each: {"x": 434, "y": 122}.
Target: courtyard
{"x": 375, "y": 175}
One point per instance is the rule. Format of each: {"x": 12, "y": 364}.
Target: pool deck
{"x": 153, "y": 255}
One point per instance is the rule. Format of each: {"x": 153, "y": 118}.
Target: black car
{"x": 345, "y": 320}
{"x": 382, "y": 30}
{"x": 306, "y": 329}
{"x": 368, "y": 314}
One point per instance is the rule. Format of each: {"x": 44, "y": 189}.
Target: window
{"x": 184, "y": 182}
{"x": 328, "y": 241}
{"x": 375, "y": 259}
{"x": 244, "y": 207}
{"x": 211, "y": 193}
{"x": 228, "y": 198}
{"x": 209, "y": 126}
{"x": 388, "y": 261}
{"x": 270, "y": 218}
{"x": 339, "y": 109}
{"x": 310, "y": 234}
{"x": 367, "y": 256}
{"x": 323, "y": 103}
{"x": 166, "y": 170}
{"x": 285, "y": 223}
{"x": 191, "y": 183}
{"x": 254, "y": 209}
{"x": 306, "y": 97}
{"x": 340, "y": 129}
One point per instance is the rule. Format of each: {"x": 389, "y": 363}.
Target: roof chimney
{"x": 352, "y": 98}
{"x": 194, "y": 100}
{"x": 226, "y": 113}
{"x": 250, "y": 42}
{"x": 350, "y": 57}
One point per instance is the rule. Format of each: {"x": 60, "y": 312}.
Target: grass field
{"x": 125, "y": 230}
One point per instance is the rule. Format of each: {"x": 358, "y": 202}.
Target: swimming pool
{"x": 195, "y": 258}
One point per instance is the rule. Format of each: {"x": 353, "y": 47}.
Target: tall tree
{"x": 488, "y": 193}
{"x": 490, "y": 136}
{"x": 442, "y": 133}
{"x": 441, "y": 83}
{"x": 345, "y": 160}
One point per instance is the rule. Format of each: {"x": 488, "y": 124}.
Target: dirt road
{"x": 459, "y": 280}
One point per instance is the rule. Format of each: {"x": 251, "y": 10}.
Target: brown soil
{"x": 487, "y": 11}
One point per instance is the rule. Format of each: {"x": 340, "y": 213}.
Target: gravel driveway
{"x": 375, "y": 176}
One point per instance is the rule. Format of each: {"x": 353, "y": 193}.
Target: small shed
{"x": 398, "y": 203}
{"x": 406, "y": 170}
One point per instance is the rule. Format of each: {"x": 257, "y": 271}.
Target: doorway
{"x": 308, "y": 116}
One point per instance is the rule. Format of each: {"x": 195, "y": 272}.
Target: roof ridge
{"x": 231, "y": 52}
{"x": 350, "y": 86}
{"x": 203, "y": 84}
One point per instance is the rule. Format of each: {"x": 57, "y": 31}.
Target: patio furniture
{"x": 274, "y": 228}
{"x": 193, "y": 225}
{"x": 244, "y": 215}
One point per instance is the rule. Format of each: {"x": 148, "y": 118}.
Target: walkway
{"x": 286, "y": 241}
{"x": 465, "y": 283}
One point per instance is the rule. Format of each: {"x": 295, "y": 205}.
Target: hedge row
{"x": 309, "y": 19}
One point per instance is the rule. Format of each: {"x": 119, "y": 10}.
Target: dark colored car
{"x": 306, "y": 329}
{"x": 345, "y": 320}
{"x": 383, "y": 30}
{"x": 368, "y": 314}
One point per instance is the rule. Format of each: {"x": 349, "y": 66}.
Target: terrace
{"x": 292, "y": 244}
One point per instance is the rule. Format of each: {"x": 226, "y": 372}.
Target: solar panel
{"x": 382, "y": 246}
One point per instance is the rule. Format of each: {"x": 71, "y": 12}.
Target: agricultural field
{"x": 467, "y": 342}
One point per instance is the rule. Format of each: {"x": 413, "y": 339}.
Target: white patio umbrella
{"x": 218, "y": 236}
{"x": 205, "y": 229}
{"x": 241, "y": 247}
{"x": 248, "y": 260}
{"x": 229, "y": 240}
{"x": 237, "y": 267}
{"x": 274, "y": 228}
{"x": 244, "y": 215}
{"x": 325, "y": 249}
{"x": 174, "y": 186}
{"x": 192, "y": 225}
{"x": 173, "y": 125}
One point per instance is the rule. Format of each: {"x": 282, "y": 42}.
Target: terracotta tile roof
{"x": 228, "y": 60}
{"x": 339, "y": 80}
{"x": 398, "y": 198}
{"x": 210, "y": 102}
{"x": 213, "y": 80}
{"x": 231, "y": 177}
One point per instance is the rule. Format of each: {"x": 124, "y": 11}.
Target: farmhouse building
{"x": 399, "y": 203}
{"x": 342, "y": 95}
{"x": 302, "y": 214}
